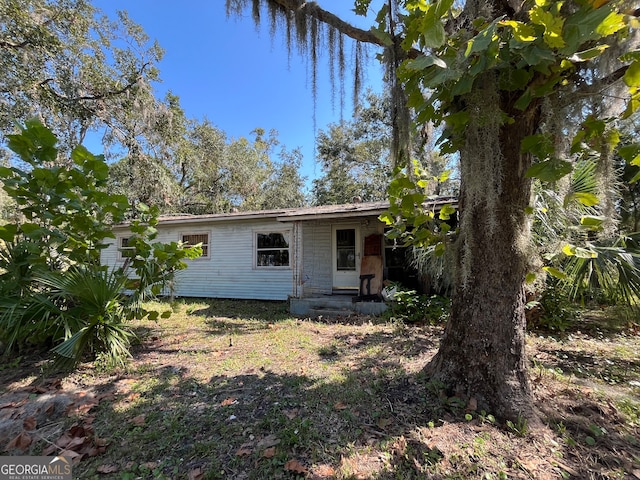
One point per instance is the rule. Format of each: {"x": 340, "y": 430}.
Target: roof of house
{"x": 347, "y": 210}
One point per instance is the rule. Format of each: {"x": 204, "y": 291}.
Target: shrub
{"x": 54, "y": 289}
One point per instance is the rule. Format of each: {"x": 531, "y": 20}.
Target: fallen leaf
{"x": 636, "y": 473}
{"x": 472, "y": 405}
{"x": 196, "y": 474}
{"x": 150, "y": 465}
{"x": 108, "y": 468}
{"x": 21, "y": 442}
{"x": 268, "y": 441}
{"x": 77, "y": 442}
{"x": 291, "y": 414}
{"x": 295, "y": 466}
{"x": 29, "y": 423}
{"x": 64, "y": 440}
{"x": 50, "y": 409}
{"x": 14, "y": 404}
{"x": 74, "y": 456}
{"x": 47, "y": 452}
{"x": 139, "y": 420}
{"x": 339, "y": 406}
{"x": 243, "y": 452}
{"x": 228, "y": 401}
{"x": 132, "y": 397}
{"x": 324, "y": 471}
{"x": 110, "y": 395}
{"x": 269, "y": 452}
{"x": 384, "y": 422}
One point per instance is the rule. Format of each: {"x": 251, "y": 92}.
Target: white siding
{"x": 317, "y": 267}
{"x": 317, "y": 276}
{"x": 229, "y": 272}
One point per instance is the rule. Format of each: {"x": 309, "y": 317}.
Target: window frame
{"x": 204, "y": 256}
{"x": 120, "y": 248}
{"x": 288, "y": 236}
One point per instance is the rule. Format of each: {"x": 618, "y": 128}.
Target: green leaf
{"x": 166, "y": 314}
{"x": 530, "y": 278}
{"x": 386, "y": 218}
{"x": 8, "y": 232}
{"x": 591, "y": 221}
{"x": 585, "y": 198}
{"x": 552, "y": 26}
{"x": 630, "y": 153}
{"x": 525, "y": 99}
{"x": 555, "y": 272}
{"x": 583, "y": 26}
{"x": 382, "y": 35}
{"x": 513, "y": 80}
{"x": 613, "y": 23}
{"x": 446, "y": 211}
{"x": 424, "y": 61}
{"x": 482, "y": 40}
{"x": 443, "y": 7}
{"x": 521, "y": 31}
{"x": 535, "y": 55}
{"x": 588, "y": 54}
{"x": 540, "y": 145}
{"x": 632, "y": 75}
{"x": 550, "y": 170}
{"x": 444, "y": 176}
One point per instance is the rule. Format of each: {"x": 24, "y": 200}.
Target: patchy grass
{"x": 234, "y": 389}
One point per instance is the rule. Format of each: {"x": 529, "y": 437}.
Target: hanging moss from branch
{"x": 313, "y": 31}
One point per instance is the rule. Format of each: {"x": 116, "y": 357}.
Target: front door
{"x": 346, "y": 257}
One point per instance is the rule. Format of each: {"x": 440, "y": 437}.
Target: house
{"x": 319, "y": 258}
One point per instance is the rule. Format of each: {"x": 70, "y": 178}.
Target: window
{"x": 272, "y": 249}
{"x": 124, "y": 250}
{"x": 192, "y": 239}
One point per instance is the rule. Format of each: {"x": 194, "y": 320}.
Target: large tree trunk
{"x": 482, "y": 353}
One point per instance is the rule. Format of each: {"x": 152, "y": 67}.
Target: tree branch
{"x": 599, "y": 85}
{"x": 28, "y": 40}
{"x": 312, "y": 9}
{"x": 100, "y": 96}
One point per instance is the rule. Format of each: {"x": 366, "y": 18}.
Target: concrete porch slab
{"x": 333, "y": 306}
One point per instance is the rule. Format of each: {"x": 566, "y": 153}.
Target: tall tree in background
{"x": 194, "y": 168}
{"x": 355, "y": 156}
{"x": 356, "y": 159}
{"x": 498, "y": 74}
{"x": 76, "y": 70}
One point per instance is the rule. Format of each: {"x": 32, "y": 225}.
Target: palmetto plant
{"x": 93, "y": 309}
{"x": 83, "y": 310}
{"x": 568, "y": 230}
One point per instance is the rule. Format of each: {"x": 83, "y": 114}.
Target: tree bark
{"x": 482, "y": 354}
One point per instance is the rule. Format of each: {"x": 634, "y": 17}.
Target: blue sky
{"x": 237, "y": 76}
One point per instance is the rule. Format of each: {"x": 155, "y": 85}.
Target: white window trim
{"x": 199, "y": 232}
{"x": 266, "y": 231}
{"x": 119, "y": 248}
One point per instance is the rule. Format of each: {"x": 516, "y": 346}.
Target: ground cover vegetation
{"x": 239, "y": 389}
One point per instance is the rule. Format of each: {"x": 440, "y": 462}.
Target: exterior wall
{"x": 317, "y": 268}
{"x": 230, "y": 270}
